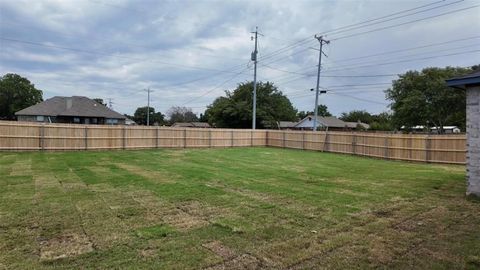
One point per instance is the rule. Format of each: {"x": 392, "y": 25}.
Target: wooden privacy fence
{"x": 423, "y": 148}
{"x": 33, "y": 136}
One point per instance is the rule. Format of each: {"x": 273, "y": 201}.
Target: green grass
{"x": 232, "y": 208}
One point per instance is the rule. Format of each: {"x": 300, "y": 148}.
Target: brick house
{"x": 471, "y": 83}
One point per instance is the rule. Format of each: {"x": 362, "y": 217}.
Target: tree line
{"x": 416, "y": 98}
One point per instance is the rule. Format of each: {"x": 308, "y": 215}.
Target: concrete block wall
{"x": 473, "y": 141}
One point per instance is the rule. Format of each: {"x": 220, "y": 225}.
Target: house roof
{"x": 328, "y": 121}
{"x": 355, "y": 124}
{"x": 286, "y": 124}
{"x": 462, "y": 81}
{"x": 191, "y": 124}
{"x": 71, "y": 106}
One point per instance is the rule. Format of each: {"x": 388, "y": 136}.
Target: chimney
{"x": 68, "y": 102}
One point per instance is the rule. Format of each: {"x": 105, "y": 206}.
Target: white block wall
{"x": 473, "y": 141}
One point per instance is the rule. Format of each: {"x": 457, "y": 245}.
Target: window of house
{"x": 76, "y": 119}
{"x": 112, "y": 121}
{"x": 40, "y": 118}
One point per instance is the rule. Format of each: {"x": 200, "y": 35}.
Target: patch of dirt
{"x": 152, "y": 175}
{"x": 147, "y": 253}
{"x": 65, "y": 246}
{"x": 244, "y": 261}
{"x": 219, "y": 249}
{"x": 183, "y": 221}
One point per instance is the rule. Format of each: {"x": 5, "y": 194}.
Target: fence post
{"x": 124, "y": 137}
{"x": 157, "y": 137}
{"x": 266, "y": 138}
{"x": 303, "y": 140}
{"x": 41, "y": 140}
{"x": 209, "y": 138}
{"x": 251, "y": 137}
{"x": 284, "y": 139}
{"x": 185, "y": 138}
{"x": 86, "y": 137}
{"x": 354, "y": 143}
{"x": 427, "y": 148}
{"x": 385, "y": 144}
{"x": 231, "y": 138}
{"x": 325, "y": 142}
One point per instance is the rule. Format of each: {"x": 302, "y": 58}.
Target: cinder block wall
{"x": 473, "y": 141}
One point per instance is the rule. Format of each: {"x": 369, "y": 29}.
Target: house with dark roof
{"x": 330, "y": 123}
{"x": 76, "y": 110}
{"x": 286, "y": 124}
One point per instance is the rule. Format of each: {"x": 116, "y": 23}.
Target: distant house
{"x": 286, "y": 124}
{"x": 192, "y": 124}
{"x": 328, "y": 122}
{"x": 130, "y": 122}
{"x": 76, "y": 110}
{"x": 424, "y": 129}
{"x": 357, "y": 125}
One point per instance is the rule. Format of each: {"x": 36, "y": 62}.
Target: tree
{"x": 381, "y": 121}
{"x": 235, "y": 110}
{"x": 100, "y": 101}
{"x": 322, "y": 111}
{"x": 140, "y": 116}
{"x": 423, "y": 98}
{"x": 181, "y": 114}
{"x": 355, "y": 115}
{"x": 16, "y": 93}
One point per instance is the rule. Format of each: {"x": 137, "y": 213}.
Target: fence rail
{"x": 424, "y": 148}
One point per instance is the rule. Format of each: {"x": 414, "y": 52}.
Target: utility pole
{"x": 254, "y": 59}
{"x": 148, "y": 105}
{"x": 110, "y": 103}
{"x": 322, "y": 41}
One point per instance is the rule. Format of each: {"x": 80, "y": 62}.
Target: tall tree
{"x": 140, "y": 116}
{"x": 235, "y": 110}
{"x": 16, "y": 93}
{"x": 322, "y": 111}
{"x": 423, "y": 98}
{"x": 356, "y": 115}
{"x": 181, "y": 114}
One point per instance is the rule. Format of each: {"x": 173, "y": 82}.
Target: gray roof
{"x": 191, "y": 124}
{"x": 70, "y": 106}
{"x": 355, "y": 124}
{"x": 286, "y": 124}
{"x": 327, "y": 121}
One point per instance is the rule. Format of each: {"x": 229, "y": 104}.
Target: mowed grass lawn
{"x": 237, "y": 208}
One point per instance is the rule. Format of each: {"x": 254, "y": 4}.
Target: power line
{"x": 111, "y": 55}
{"x": 361, "y": 99}
{"x": 214, "y": 88}
{"x": 395, "y": 18}
{"x": 403, "y": 61}
{"x": 382, "y": 17}
{"x": 405, "y": 23}
{"x": 411, "y": 55}
{"x": 407, "y": 49}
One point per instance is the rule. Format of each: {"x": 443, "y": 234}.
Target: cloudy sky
{"x": 189, "y": 52}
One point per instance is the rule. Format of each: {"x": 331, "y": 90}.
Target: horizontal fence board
{"x": 27, "y": 136}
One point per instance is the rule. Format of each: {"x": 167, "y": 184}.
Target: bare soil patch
{"x": 65, "y": 246}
